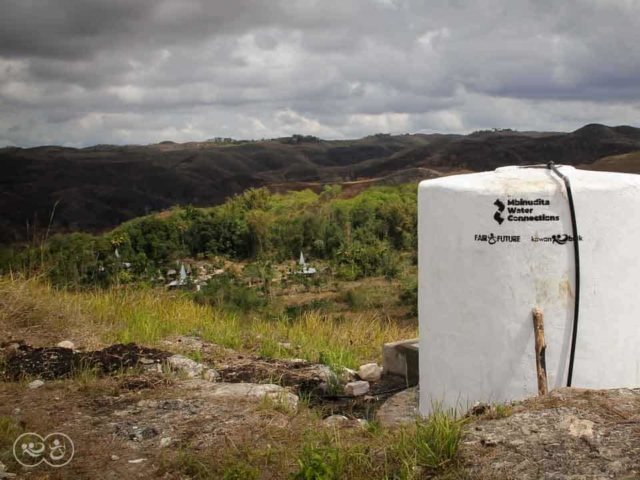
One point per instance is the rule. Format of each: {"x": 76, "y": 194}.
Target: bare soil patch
{"x": 25, "y": 361}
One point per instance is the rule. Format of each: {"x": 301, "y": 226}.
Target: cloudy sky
{"x": 82, "y": 72}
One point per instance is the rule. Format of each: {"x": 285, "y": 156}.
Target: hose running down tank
{"x": 576, "y": 253}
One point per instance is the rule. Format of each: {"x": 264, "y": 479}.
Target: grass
{"x": 369, "y": 297}
{"x": 9, "y": 431}
{"x": 320, "y": 462}
{"x": 33, "y": 309}
{"x": 498, "y": 411}
{"x": 435, "y": 440}
{"x": 307, "y": 451}
{"x": 279, "y": 403}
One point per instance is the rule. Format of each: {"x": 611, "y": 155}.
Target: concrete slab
{"x": 401, "y": 358}
{"x": 400, "y": 408}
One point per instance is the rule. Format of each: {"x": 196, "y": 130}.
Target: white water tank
{"x": 495, "y": 245}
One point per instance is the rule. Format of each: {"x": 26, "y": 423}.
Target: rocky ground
{"x": 569, "y": 434}
{"x": 132, "y": 412}
{"x": 126, "y": 406}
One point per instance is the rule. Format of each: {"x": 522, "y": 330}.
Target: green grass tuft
{"x": 9, "y": 432}
{"x": 433, "y": 443}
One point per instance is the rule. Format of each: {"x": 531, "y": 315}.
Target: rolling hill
{"x": 627, "y": 162}
{"x": 96, "y": 188}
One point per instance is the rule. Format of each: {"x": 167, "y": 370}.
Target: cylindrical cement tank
{"x": 495, "y": 245}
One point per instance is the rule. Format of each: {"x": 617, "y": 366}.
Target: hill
{"x": 628, "y": 162}
{"x": 99, "y": 187}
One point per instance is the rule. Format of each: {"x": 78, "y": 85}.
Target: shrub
{"x": 391, "y": 264}
{"x": 409, "y": 295}
{"x": 224, "y": 291}
{"x": 322, "y": 305}
{"x": 364, "y": 298}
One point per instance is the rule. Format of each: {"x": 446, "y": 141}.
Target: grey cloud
{"x": 136, "y": 71}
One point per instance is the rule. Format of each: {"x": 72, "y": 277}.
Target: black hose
{"x": 576, "y": 253}
{"x": 378, "y": 394}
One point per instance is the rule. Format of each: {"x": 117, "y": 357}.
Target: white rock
{"x": 249, "y": 391}
{"x": 348, "y": 374}
{"x": 211, "y": 375}
{"x": 137, "y": 460}
{"x": 165, "y": 442}
{"x": 578, "y": 427}
{"x": 115, "y": 457}
{"x": 186, "y": 365}
{"x": 36, "y": 384}
{"x": 66, "y": 344}
{"x": 370, "y": 372}
{"x": 327, "y": 375}
{"x": 356, "y": 388}
{"x": 192, "y": 343}
{"x": 336, "y": 421}
{"x": 4, "y": 473}
{"x": 152, "y": 368}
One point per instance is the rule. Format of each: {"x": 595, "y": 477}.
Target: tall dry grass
{"x": 33, "y": 310}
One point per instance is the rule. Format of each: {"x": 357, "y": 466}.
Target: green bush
{"x": 364, "y": 298}
{"x": 225, "y": 290}
{"x": 356, "y": 298}
{"x": 392, "y": 265}
{"x": 409, "y": 295}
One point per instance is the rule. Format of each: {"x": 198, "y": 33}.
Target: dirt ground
{"x": 129, "y": 420}
{"x": 569, "y": 434}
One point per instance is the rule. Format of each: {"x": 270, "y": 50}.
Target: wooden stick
{"x": 541, "y": 346}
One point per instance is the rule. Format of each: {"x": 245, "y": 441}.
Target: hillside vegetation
{"x": 96, "y": 188}
{"x": 353, "y": 238}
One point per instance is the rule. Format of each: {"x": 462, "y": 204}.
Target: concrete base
{"x": 401, "y": 358}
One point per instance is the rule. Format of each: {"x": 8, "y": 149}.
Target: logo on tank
{"x": 560, "y": 239}
{"x": 492, "y": 238}
{"x": 522, "y": 210}
{"x": 498, "y": 215}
